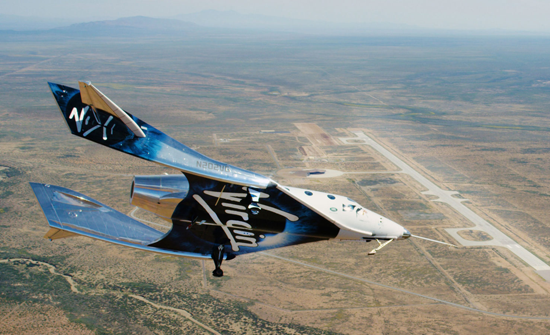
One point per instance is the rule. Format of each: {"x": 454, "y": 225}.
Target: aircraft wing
{"x": 70, "y": 213}
{"x": 91, "y": 115}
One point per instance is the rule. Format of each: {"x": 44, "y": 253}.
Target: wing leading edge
{"x": 91, "y": 115}
{"x": 91, "y": 96}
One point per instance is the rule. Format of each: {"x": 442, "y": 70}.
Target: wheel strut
{"x": 380, "y": 246}
{"x": 217, "y": 256}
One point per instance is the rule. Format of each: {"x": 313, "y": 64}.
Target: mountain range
{"x": 222, "y": 21}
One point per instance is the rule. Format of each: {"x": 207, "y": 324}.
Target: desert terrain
{"x": 470, "y": 114}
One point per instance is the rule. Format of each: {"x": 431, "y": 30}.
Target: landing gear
{"x": 217, "y": 256}
{"x": 380, "y": 246}
{"x": 217, "y": 273}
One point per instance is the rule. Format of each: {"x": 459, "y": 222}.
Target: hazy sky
{"x": 452, "y": 14}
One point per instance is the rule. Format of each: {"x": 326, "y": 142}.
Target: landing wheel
{"x": 217, "y": 273}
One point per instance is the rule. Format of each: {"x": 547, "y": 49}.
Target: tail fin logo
{"x": 78, "y": 118}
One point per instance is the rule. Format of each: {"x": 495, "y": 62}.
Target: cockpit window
{"x": 348, "y": 208}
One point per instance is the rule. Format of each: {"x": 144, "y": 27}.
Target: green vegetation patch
{"x": 112, "y": 310}
{"x": 379, "y": 181}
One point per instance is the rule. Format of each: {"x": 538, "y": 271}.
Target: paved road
{"x": 499, "y": 238}
{"x": 274, "y": 156}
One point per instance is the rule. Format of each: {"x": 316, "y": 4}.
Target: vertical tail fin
{"x": 93, "y": 116}
{"x": 93, "y": 97}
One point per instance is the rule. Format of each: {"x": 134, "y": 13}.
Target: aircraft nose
{"x": 406, "y": 234}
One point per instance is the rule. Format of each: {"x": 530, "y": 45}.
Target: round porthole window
{"x": 309, "y": 193}
{"x": 331, "y": 197}
{"x": 333, "y": 209}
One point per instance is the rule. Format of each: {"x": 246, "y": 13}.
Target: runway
{"x": 499, "y": 238}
